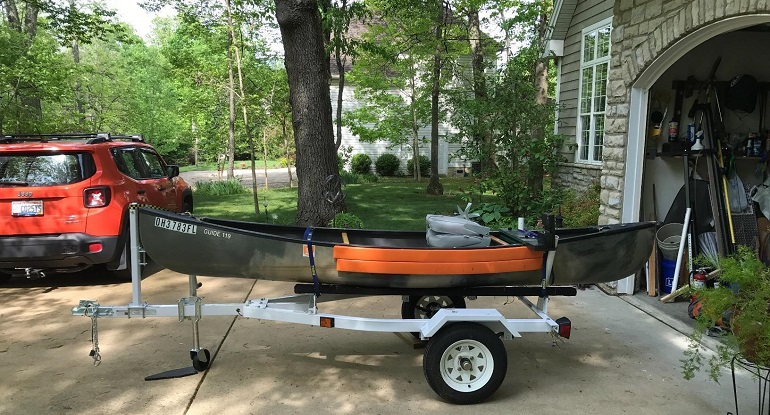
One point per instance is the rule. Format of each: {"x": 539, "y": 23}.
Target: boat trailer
{"x": 464, "y": 361}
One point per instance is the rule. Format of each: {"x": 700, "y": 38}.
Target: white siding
{"x": 446, "y": 166}
{"x": 586, "y": 14}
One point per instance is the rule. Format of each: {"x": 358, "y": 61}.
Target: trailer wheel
{"x": 200, "y": 364}
{"x": 465, "y": 363}
{"x": 427, "y": 305}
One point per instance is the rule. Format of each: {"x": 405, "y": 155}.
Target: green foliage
{"x": 361, "y": 164}
{"x": 356, "y": 178}
{"x": 493, "y": 215}
{"x": 745, "y": 293}
{"x": 524, "y": 146}
{"x": 347, "y": 221}
{"x": 387, "y": 165}
{"x": 581, "y": 209}
{"x": 343, "y": 157}
{"x": 424, "y": 166}
{"x": 220, "y": 188}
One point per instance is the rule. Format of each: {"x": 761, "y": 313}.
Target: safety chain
{"x": 91, "y": 311}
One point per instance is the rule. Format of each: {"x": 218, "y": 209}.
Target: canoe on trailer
{"x": 386, "y": 258}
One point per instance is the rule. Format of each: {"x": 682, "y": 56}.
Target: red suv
{"x": 64, "y": 200}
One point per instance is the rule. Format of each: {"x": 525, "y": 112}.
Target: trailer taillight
{"x": 565, "y": 327}
{"x": 94, "y": 197}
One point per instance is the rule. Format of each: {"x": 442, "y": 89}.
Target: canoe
{"x": 386, "y": 258}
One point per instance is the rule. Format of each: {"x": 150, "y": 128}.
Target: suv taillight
{"x": 94, "y": 197}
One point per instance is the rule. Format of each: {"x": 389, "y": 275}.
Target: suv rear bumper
{"x": 60, "y": 252}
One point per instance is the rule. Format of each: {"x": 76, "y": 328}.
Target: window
{"x": 594, "y": 67}
{"x": 127, "y": 163}
{"x": 154, "y": 165}
{"x": 42, "y": 169}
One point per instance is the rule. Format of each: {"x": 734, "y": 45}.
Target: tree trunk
{"x": 249, "y": 138}
{"x": 415, "y": 129}
{"x": 25, "y": 91}
{"x": 231, "y": 115}
{"x": 340, "y": 89}
{"x": 288, "y": 152}
{"x": 483, "y": 132}
{"x": 434, "y": 185}
{"x": 536, "y": 171}
{"x": 300, "y": 24}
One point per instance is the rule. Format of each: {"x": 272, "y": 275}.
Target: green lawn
{"x": 391, "y": 203}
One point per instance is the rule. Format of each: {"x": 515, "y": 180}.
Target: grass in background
{"x": 391, "y": 203}
{"x": 281, "y": 206}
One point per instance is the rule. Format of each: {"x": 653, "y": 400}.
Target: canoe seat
{"x": 455, "y": 232}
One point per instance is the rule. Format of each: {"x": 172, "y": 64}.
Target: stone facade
{"x": 578, "y": 176}
{"x": 642, "y": 30}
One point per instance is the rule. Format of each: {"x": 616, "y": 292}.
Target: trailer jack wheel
{"x": 200, "y": 364}
{"x": 465, "y": 363}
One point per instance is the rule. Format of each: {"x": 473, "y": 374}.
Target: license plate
{"x": 27, "y": 208}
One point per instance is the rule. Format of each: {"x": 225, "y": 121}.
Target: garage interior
{"x": 720, "y": 88}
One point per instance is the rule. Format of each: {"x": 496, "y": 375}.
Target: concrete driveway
{"x": 619, "y": 359}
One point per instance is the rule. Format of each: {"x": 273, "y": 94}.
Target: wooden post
{"x": 652, "y": 270}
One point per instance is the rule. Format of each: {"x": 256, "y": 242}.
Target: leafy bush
{"x": 347, "y": 220}
{"x": 582, "y": 209}
{"x": 220, "y": 188}
{"x": 361, "y": 164}
{"x": 355, "y": 178}
{"x": 387, "y": 165}
{"x": 424, "y": 166}
{"x": 493, "y": 215}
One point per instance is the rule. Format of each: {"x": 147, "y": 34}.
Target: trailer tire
{"x": 465, "y": 363}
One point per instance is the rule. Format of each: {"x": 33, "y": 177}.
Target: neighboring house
{"x": 447, "y": 165}
{"x": 620, "y": 65}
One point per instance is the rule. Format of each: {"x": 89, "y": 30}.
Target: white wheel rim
{"x": 467, "y": 365}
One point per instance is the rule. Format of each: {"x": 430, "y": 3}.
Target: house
{"x": 448, "y": 163}
{"x": 632, "y": 73}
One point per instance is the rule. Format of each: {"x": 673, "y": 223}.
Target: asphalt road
{"x": 275, "y": 177}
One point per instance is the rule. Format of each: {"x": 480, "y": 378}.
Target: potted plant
{"x": 739, "y": 309}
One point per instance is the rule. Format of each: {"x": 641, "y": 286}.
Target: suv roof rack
{"x": 91, "y": 138}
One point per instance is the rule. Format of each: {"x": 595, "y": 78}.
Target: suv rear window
{"x": 45, "y": 169}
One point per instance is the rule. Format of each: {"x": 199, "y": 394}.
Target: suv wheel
{"x": 187, "y": 205}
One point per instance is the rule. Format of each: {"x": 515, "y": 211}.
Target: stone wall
{"x": 578, "y": 176}
{"x": 642, "y": 30}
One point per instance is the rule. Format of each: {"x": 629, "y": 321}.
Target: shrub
{"x": 347, "y": 220}
{"x": 387, "y": 165}
{"x": 361, "y": 164}
{"x": 493, "y": 215}
{"x": 424, "y": 166}
{"x": 220, "y": 188}
{"x": 354, "y": 178}
{"x": 582, "y": 209}
{"x": 343, "y": 156}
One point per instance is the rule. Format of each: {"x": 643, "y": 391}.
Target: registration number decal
{"x": 27, "y": 208}
{"x": 176, "y": 226}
